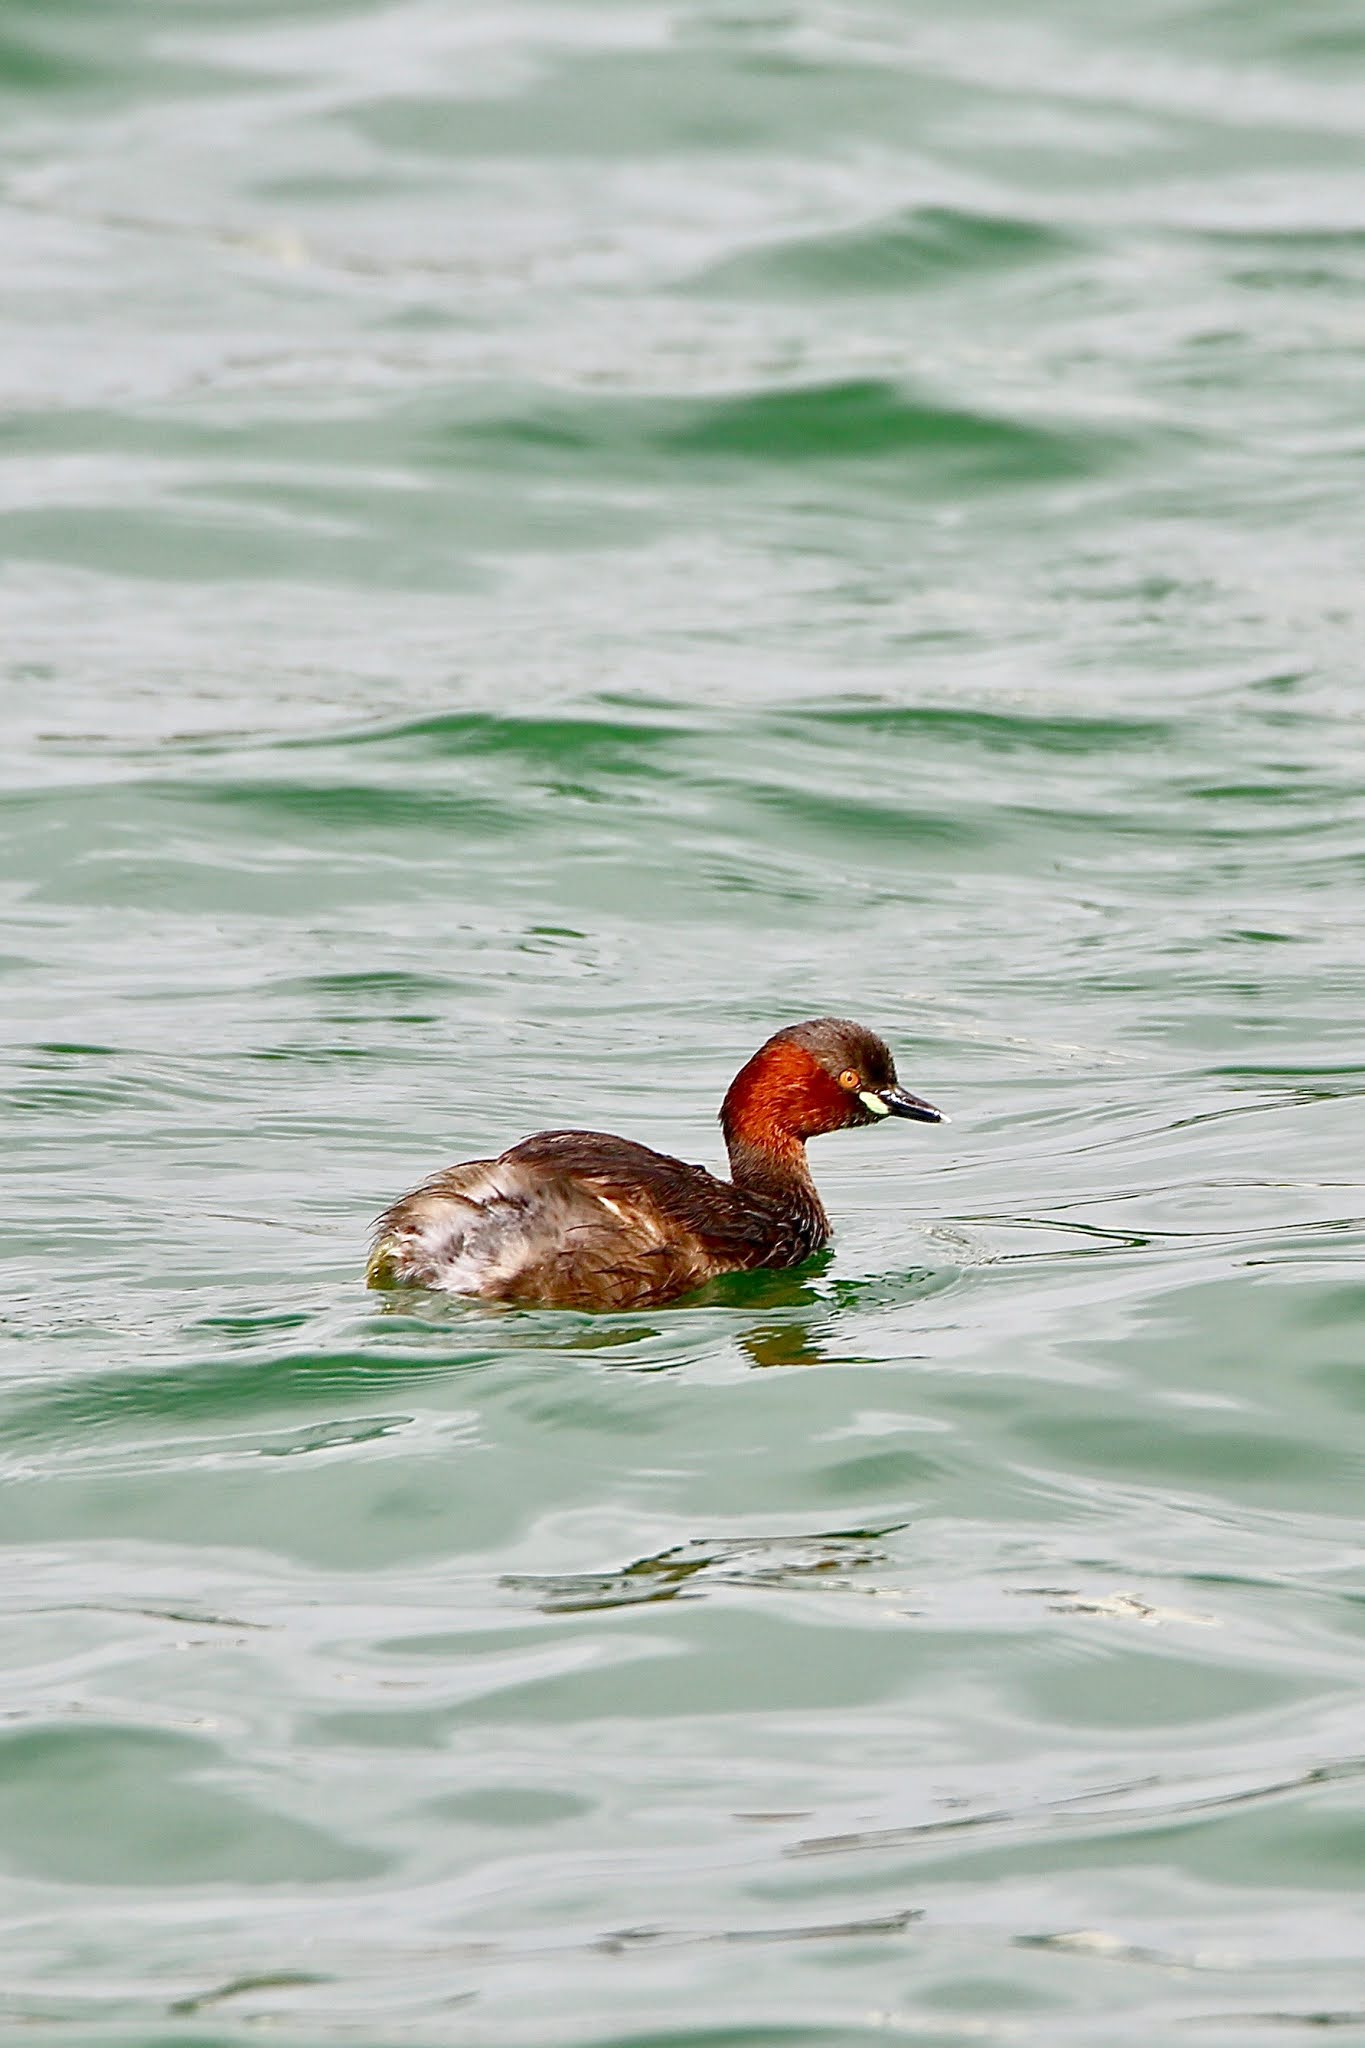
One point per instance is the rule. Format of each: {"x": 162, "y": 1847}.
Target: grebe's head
{"x": 825, "y": 1075}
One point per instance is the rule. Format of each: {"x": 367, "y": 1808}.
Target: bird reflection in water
{"x": 792, "y": 1317}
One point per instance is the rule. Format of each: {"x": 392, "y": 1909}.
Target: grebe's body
{"x": 577, "y": 1219}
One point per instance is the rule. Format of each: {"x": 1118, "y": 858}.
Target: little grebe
{"x": 576, "y": 1219}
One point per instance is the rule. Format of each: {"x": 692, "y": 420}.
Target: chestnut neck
{"x": 771, "y": 1107}
{"x": 769, "y": 1171}
{"x": 771, "y": 1160}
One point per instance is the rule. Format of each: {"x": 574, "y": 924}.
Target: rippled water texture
{"x": 541, "y": 541}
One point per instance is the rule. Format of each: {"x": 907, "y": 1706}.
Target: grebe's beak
{"x": 896, "y": 1101}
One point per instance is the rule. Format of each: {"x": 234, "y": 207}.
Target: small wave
{"x": 899, "y": 253}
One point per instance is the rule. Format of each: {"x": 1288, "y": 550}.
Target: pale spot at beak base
{"x": 873, "y": 1102}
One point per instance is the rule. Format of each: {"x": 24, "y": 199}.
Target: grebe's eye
{"x": 851, "y": 1079}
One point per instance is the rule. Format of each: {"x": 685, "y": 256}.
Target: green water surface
{"x": 542, "y": 539}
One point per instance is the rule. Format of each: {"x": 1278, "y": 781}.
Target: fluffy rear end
{"x": 506, "y": 1230}
{"x": 462, "y": 1232}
